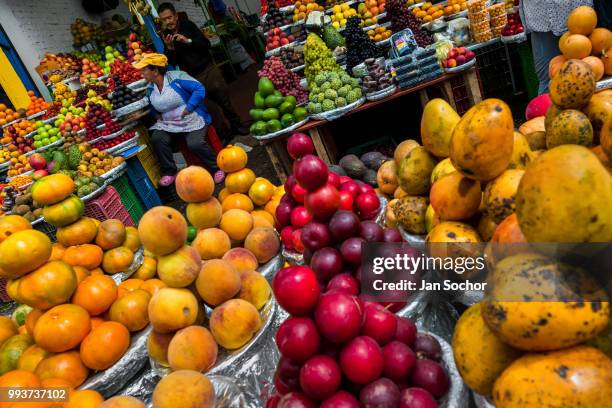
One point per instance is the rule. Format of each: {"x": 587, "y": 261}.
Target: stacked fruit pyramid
{"x": 82, "y": 320}
{"x": 470, "y": 183}
{"x": 336, "y": 349}
{"x": 65, "y": 289}
{"x": 585, "y": 41}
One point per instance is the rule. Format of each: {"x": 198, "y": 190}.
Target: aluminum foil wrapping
{"x": 269, "y": 269}
{"x": 293, "y": 257}
{"x": 417, "y": 241}
{"x": 136, "y": 263}
{"x": 458, "y": 395}
{"x": 111, "y": 380}
{"x": 482, "y": 401}
{"x": 250, "y": 369}
{"x": 380, "y": 218}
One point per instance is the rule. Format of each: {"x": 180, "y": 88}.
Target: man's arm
{"x": 198, "y": 40}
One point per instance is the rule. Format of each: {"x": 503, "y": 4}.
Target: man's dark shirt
{"x": 192, "y": 58}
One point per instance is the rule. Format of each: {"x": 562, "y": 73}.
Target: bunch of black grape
{"x": 402, "y": 18}
{"x": 359, "y": 46}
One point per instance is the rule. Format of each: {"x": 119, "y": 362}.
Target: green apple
{"x": 53, "y": 139}
{"x": 39, "y": 123}
{"x": 45, "y": 141}
{"x": 48, "y": 126}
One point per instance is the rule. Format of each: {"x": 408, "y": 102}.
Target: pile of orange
{"x": 454, "y": 6}
{"x": 428, "y": 12}
{"x": 585, "y": 41}
{"x": 379, "y": 34}
{"x": 81, "y": 319}
{"x": 7, "y": 115}
{"x": 305, "y": 7}
{"x": 37, "y": 104}
{"x": 23, "y": 128}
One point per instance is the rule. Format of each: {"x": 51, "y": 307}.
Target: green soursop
{"x": 345, "y": 78}
{"x": 336, "y": 84}
{"x": 331, "y": 94}
{"x": 344, "y": 91}
{"x": 74, "y": 157}
{"x": 340, "y": 102}
{"x": 312, "y": 97}
{"x": 332, "y": 76}
{"x": 311, "y": 107}
{"x": 325, "y": 86}
{"x": 358, "y": 92}
{"x": 353, "y": 96}
{"x": 354, "y": 83}
{"x": 318, "y": 108}
{"x": 328, "y": 105}
{"x": 320, "y": 97}
{"x": 319, "y": 79}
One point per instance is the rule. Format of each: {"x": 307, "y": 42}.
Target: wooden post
{"x": 274, "y": 158}
{"x": 473, "y": 86}
{"x": 319, "y": 145}
{"x": 447, "y": 90}
{"x": 424, "y": 97}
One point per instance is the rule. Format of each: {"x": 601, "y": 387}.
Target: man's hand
{"x": 169, "y": 41}
{"x": 185, "y": 113}
{"x": 181, "y": 38}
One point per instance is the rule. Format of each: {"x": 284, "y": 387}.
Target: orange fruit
{"x": 153, "y": 285}
{"x": 96, "y": 294}
{"x": 232, "y": 158}
{"x": 240, "y": 181}
{"x": 105, "y": 345}
{"x": 66, "y": 366}
{"x": 62, "y": 328}
{"x": 237, "y": 200}
{"x": 128, "y": 286}
{"x": 236, "y": 223}
{"x": 84, "y": 399}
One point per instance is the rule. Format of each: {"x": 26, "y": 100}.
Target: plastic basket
{"x": 46, "y": 228}
{"x": 149, "y": 163}
{"x": 129, "y": 199}
{"x": 144, "y": 187}
{"x": 108, "y": 205}
{"x": 4, "y": 297}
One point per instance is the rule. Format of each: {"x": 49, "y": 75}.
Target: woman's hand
{"x": 185, "y": 113}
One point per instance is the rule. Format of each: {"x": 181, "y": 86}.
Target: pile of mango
{"x": 475, "y": 179}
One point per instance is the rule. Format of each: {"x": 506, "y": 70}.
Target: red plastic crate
{"x": 4, "y": 297}
{"x": 214, "y": 141}
{"x": 108, "y": 206}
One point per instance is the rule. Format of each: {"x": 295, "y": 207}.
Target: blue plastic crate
{"x": 142, "y": 184}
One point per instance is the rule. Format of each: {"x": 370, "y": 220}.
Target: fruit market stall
{"x": 408, "y": 48}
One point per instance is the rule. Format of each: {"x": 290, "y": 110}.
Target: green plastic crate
{"x": 129, "y": 198}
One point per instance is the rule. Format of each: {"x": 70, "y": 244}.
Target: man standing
{"x": 187, "y": 47}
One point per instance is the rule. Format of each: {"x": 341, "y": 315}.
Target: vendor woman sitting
{"x": 177, "y": 100}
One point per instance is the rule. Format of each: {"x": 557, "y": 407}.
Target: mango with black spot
{"x": 482, "y": 142}
{"x": 479, "y": 354}
{"x": 580, "y": 376}
{"x": 565, "y": 196}
{"x": 538, "y": 304}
